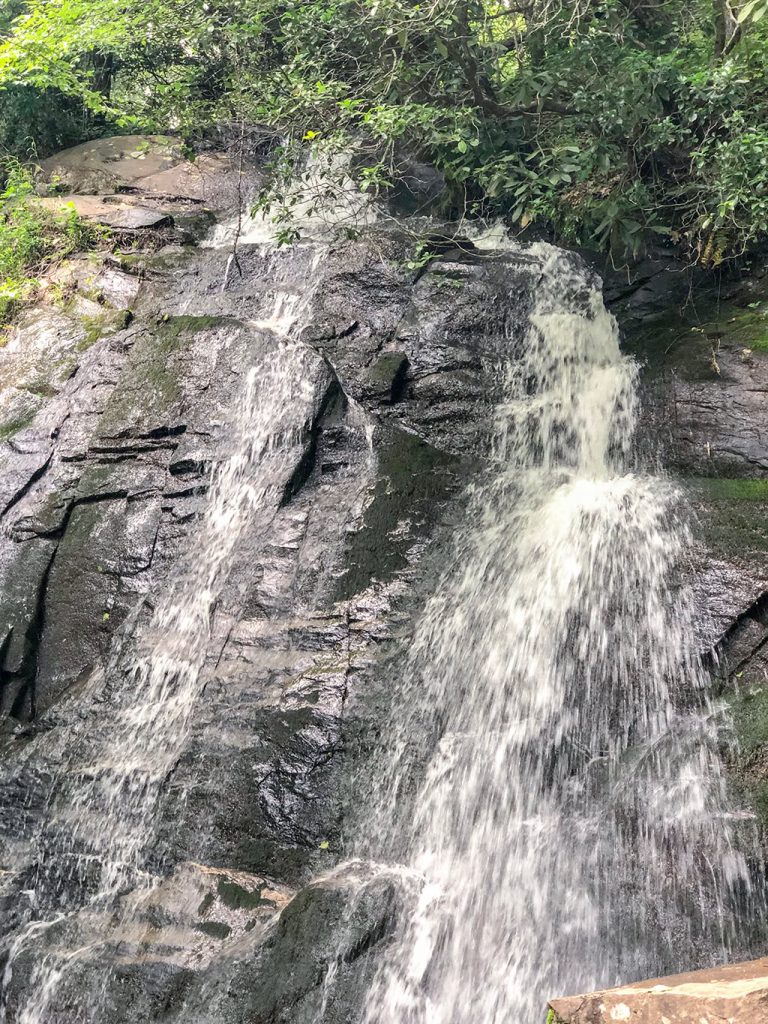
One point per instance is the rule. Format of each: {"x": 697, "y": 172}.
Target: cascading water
{"x": 571, "y": 828}
{"x": 96, "y": 843}
{"x": 554, "y": 805}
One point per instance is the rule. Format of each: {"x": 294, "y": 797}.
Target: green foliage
{"x": 613, "y": 123}
{"x": 36, "y": 122}
{"x": 32, "y": 238}
{"x": 753, "y": 10}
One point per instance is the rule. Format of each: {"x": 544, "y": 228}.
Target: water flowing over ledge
{"x": 572, "y": 826}
{"x": 529, "y": 784}
{"x": 110, "y": 791}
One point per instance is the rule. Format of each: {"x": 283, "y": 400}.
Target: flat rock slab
{"x": 154, "y": 168}
{"x": 735, "y": 994}
{"x": 106, "y": 164}
{"x": 211, "y": 178}
{"x": 111, "y": 212}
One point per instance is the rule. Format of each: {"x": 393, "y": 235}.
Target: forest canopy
{"x": 611, "y": 122}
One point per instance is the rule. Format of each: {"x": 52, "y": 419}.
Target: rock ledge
{"x": 736, "y": 994}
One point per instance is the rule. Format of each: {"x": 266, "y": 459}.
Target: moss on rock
{"x": 237, "y": 897}
{"x": 215, "y": 929}
{"x": 152, "y": 383}
{"x": 722, "y": 488}
{"x": 729, "y": 513}
{"x": 414, "y": 479}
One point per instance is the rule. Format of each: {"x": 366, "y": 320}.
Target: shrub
{"x": 32, "y": 238}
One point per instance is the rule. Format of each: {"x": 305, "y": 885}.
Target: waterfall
{"x": 571, "y": 826}
{"x": 550, "y": 804}
{"x": 97, "y": 840}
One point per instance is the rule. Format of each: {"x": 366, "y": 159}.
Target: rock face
{"x": 133, "y": 183}
{"x": 705, "y": 381}
{"x": 116, "y": 405}
{"x": 737, "y": 993}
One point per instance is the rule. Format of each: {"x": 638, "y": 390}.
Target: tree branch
{"x": 728, "y": 30}
{"x": 482, "y": 91}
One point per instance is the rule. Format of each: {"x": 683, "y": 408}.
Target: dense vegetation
{"x": 611, "y": 121}
{"x": 32, "y": 238}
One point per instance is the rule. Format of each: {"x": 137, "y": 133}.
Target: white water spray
{"x": 570, "y": 829}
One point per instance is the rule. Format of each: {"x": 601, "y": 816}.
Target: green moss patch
{"x": 754, "y": 792}
{"x": 414, "y": 479}
{"x": 173, "y": 329}
{"x": 719, "y": 489}
{"x": 206, "y": 903}
{"x": 750, "y": 719}
{"x": 749, "y": 760}
{"x": 7, "y": 430}
{"x": 151, "y": 384}
{"x": 215, "y": 929}
{"x": 237, "y": 897}
{"x": 729, "y": 514}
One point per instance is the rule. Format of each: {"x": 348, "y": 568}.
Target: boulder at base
{"x": 736, "y": 994}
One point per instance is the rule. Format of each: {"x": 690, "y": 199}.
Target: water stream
{"x": 97, "y": 838}
{"x": 551, "y": 796}
{"x": 572, "y": 827}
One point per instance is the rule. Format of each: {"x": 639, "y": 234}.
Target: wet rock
{"x": 415, "y": 479}
{"x": 707, "y": 372}
{"x": 314, "y": 961}
{"x": 106, "y": 472}
{"x": 703, "y": 388}
{"x": 418, "y": 189}
{"x": 704, "y": 382}
{"x": 109, "y": 483}
{"x": 216, "y": 180}
{"x": 41, "y": 352}
{"x": 104, "y": 489}
{"x": 23, "y": 594}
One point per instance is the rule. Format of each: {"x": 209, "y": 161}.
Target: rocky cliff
{"x": 119, "y": 395}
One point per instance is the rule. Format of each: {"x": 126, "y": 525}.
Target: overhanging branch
{"x": 482, "y": 92}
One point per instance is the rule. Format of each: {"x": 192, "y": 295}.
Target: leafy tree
{"x": 610, "y": 121}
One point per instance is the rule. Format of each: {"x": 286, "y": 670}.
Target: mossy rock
{"x": 386, "y": 369}
{"x": 103, "y": 325}
{"x": 17, "y": 421}
{"x": 214, "y": 929}
{"x": 151, "y": 385}
{"x": 237, "y": 897}
{"x": 750, "y": 719}
{"x": 729, "y": 513}
{"x": 206, "y": 903}
{"x": 720, "y": 488}
{"x": 414, "y": 481}
{"x": 748, "y": 767}
{"x": 173, "y": 328}
{"x": 688, "y": 341}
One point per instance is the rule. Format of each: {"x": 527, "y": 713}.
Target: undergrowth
{"x": 33, "y": 239}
